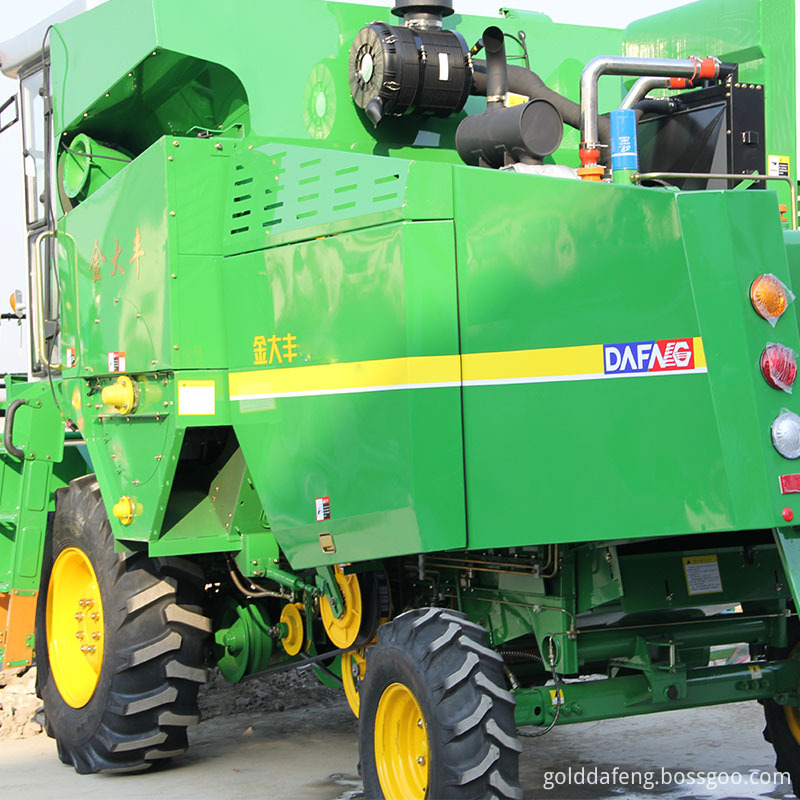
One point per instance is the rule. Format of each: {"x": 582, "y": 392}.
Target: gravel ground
{"x": 18, "y": 703}
{"x": 280, "y": 692}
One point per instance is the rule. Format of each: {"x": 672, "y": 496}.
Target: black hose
{"x": 654, "y": 106}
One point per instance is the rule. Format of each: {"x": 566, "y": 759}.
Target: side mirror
{"x": 7, "y": 116}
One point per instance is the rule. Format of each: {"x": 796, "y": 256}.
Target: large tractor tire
{"x": 436, "y": 720}
{"x": 782, "y": 729}
{"x": 119, "y": 643}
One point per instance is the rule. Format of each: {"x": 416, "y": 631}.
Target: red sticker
{"x": 790, "y": 484}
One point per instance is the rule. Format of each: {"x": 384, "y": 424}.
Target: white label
{"x": 444, "y": 67}
{"x": 323, "y": 508}
{"x": 702, "y": 574}
{"x": 778, "y": 165}
{"x": 196, "y": 397}
{"x": 116, "y": 361}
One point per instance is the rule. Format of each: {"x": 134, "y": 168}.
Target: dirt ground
{"x": 286, "y": 738}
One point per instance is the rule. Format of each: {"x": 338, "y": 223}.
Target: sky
{"x": 16, "y": 17}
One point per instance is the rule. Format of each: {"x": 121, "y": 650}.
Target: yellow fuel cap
{"x": 124, "y": 510}
{"x": 122, "y": 395}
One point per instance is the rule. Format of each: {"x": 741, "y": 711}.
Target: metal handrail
{"x": 638, "y": 177}
{"x": 39, "y": 340}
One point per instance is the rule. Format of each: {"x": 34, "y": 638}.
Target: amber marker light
{"x": 769, "y": 297}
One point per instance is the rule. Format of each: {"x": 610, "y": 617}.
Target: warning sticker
{"x": 778, "y": 165}
{"x": 323, "y": 508}
{"x": 702, "y": 574}
{"x": 116, "y": 361}
{"x": 514, "y": 99}
{"x": 755, "y": 672}
{"x": 196, "y": 398}
{"x": 557, "y": 697}
{"x": 69, "y": 360}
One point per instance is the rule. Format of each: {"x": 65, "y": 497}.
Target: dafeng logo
{"x": 663, "y": 355}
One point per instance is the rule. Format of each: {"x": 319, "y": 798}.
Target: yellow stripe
{"x": 352, "y": 375}
{"x": 699, "y": 353}
{"x": 419, "y": 371}
{"x": 547, "y": 362}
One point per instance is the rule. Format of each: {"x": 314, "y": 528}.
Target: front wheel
{"x": 436, "y": 720}
{"x": 119, "y": 643}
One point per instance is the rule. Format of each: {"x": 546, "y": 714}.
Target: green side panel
{"x": 114, "y": 296}
{"x": 390, "y": 461}
{"x": 592, "y": 455}
{"x": 725, "y": 257}
{"x": 141, "y": 265}
{"x": 756, "y": 34}
{"x": 27, "y": 486}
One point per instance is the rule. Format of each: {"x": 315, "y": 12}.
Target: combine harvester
{"x": 346, "y": 352}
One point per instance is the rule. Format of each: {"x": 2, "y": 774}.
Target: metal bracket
{"x": 326, "y": 580}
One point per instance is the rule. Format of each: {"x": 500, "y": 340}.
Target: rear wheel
{"x": 782, "y": 729}
{"x": 119, "y": 643}
{"x": 436, "y": 720}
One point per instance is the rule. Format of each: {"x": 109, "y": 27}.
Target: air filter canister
{"x": 396, "y": 70}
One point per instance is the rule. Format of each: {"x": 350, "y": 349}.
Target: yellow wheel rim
{"x": 354, "y": 666}
{"x": 293, "y": 641}
{"x": 793, "y": 720}
{"x": 75, "y": 629}
{"x": 401, "y": 745}
{"x": 344, "y": 630}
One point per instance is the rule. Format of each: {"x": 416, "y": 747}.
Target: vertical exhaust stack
{"x": 496, "y": 68}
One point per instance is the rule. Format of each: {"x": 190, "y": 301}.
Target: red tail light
{"x": 779, "y": 366}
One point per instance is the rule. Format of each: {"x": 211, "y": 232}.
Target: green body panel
{"x": 644, "y": 453}
{"x": 391, "y": 461}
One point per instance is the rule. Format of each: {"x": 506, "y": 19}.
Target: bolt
{"x": 218, "y": 146}
{"x": 419, "y": 723}
{"x": 420, "y": 760}
{"x": 170, "y": 158}
{"x": 173, "y": 276}
{"x": 94, "y": 615}
{"x": 95, "y": 635}
{"x": 79, "y": 635}
{"x": 176, "y": 143}
{"x": 79, "y": 616}
{"x": 174, "y": 347}
{"x": 166, "y": 402}
{"x": 172, "y": 213}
